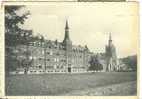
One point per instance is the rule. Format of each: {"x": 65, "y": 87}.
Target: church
{"x": 111, "y": 57}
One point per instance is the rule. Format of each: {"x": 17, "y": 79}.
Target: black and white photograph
{"x": 71, "y": 49}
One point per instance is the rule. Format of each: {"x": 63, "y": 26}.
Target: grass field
{"x": 59, "y": 84}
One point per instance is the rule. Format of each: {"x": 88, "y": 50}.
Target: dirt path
{"x": 127, "y": 88}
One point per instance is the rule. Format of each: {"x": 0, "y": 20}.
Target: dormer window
{"x": 48, "y": 53}
{"x": 48, "y": 59}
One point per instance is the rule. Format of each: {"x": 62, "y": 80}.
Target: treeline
{"x": 130, "y": 62}
{"x": 125, "y": 64}
{"x": 96, "y": 62}
{"x": 15, "y": 35}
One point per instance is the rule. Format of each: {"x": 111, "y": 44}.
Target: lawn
{"x": 59, "y": 84}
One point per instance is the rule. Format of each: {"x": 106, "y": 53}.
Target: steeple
{"x": 66, "y": 38}
{"x": 110, "y": 39}
{"x": 66, "y": 27}
{"x": 111, "y": 57}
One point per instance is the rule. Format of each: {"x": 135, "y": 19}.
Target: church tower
{"x": 111, "y": 58}
{"x": 67, "y": 43}
{"x": 110, "y": 40}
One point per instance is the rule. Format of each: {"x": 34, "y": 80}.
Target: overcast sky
{"x": 89, "y": 23}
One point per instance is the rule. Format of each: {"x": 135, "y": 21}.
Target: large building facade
{"x": 46, "y": 56}
{"x": 53, "y": 56}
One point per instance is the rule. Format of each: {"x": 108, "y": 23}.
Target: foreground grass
{"x": 59, "y": 84}
{"x": 122, "y": 89}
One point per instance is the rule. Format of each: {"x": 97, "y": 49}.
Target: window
{"x": 30, "y": 57}
{"x": 38, "y": 43}
{"x": 42, "y": 51}
{"x": 30, "y": 43}
{"x": 51, "y": 53}
{"x": 57, "y": 59}
{"x": 48, "y": 53}
{"x": 34, "y": 43}
{"x": 40, "y": 58}
{"x": 40, "y": 66}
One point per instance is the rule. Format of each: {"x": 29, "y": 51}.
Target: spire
{"x": 67, "y": 31}
{"x": 110, "y": 37}
{"x": 66, "y": 27}
{"x": 67, "y": 42}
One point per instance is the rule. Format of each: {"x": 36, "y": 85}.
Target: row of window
{"x": 56, "y": 66}
{"x": 48, "y": 71}
{"x": 45, "y": 45}
{"x": 55, "y": 59}
{"x": 59, "y": 54}
{"x": 51, "y": 46}
{"x": 62, "y": 60}
{"x": 35, "y": 71}
{"x": 40, "y": 67}
{"x": 55, "y": 46}
{"x": 78, "y": 70}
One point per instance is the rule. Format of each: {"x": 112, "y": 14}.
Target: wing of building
{"x": 54, "y": 56}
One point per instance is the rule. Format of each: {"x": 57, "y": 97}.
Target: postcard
{"x": 69, "y": 49}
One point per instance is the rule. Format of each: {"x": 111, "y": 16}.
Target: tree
{"x": 95, "y": 63}
{"x": 130, "y": 62}
{"x": 14, "y": 34}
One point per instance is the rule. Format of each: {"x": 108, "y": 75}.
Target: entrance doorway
{"x": 69, "y": 69}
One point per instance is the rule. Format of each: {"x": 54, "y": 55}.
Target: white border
{"x": 140, "y": 49}
{"x": 140, "y": 59}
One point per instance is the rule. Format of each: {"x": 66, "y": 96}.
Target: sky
{"x": 90, "y": 24}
